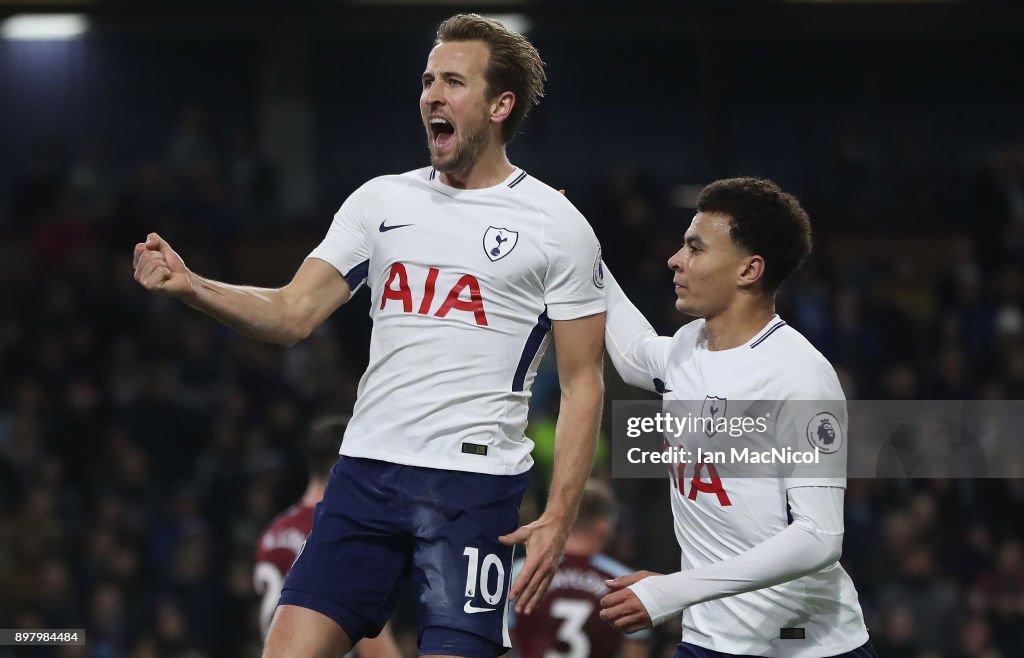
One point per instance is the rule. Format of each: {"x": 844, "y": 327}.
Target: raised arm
{"x": 276, "y": 315}
{"x": 638, "y": 353}
{"x": 579, "y": 346}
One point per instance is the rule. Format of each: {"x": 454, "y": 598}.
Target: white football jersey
{"x": 716, "y": 519}
{"x": 463, "y": 286}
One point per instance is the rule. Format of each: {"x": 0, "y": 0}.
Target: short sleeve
{"x": 574, "y": 280}
{"x": 346, "y": 245}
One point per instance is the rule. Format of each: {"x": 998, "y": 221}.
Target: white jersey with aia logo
{"x": 719, "y": 512}
{"x": 463, "y": 286}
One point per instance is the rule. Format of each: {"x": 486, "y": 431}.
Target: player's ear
{"x": 753, "y": 271}
{"x": 501, "y": 106}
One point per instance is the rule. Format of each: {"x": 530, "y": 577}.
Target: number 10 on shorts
{"x": 481, "y": 572}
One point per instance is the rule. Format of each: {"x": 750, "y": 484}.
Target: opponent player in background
{"x": 566, "y": 622}
{"x": 281, "y": 542}
{"x": 760, "y": 573}
{"x": 472, "y": 265}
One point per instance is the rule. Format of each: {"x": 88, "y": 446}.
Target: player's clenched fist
{"x": 159, "y": 269}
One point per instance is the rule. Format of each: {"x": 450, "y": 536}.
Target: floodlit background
{"x": 143, "y": 447}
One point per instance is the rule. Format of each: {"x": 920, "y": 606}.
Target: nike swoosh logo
{"x": 469, "y": 608}
{"x": 385, "y": 229}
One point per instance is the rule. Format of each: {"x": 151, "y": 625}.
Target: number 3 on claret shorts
{"x": 479, "y": 574}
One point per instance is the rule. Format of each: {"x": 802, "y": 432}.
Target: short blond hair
{"x": 514, "y": 65}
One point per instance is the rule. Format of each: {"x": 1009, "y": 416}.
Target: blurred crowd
{"x": 143, "y": 447}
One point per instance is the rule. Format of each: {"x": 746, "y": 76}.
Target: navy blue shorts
{"x": 687, "y": 650}
{"x": 381, "y": 524}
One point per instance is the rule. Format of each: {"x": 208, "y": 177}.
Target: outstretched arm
{"x": 636, "y": 350}
{"x": 276, "y": 315}
{"x": 814, "y": 540}
{"x": 579, "y": 347}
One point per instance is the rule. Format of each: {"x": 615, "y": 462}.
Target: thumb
{"x": 156, "y": 243}
{"x": 517, "y": 537}
{"x": 627, "y": 580}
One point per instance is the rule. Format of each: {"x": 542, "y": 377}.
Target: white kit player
{"x": 472, "y": 265}
{"x": 759, "y": 555}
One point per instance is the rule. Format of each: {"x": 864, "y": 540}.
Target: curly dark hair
{"x": 765, "y": 221}
{"x": 514, "y": 65}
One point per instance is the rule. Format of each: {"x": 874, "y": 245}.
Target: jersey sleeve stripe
{"x": 771, "y": 331}
{"x": 355, "y": 277}
{"x": 533, "y": 344}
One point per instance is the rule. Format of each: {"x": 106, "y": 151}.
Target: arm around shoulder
{"x": 636, "y": 350}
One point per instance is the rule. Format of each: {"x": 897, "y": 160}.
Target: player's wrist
{"x": 190, "y": 292}
{"x": 558, "y": 517}
{"x": 649, "y": 593}
{"x": 562, "y": 507}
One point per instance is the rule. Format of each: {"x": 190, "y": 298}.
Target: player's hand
{"x": 544, "y": 539}
{"x": 159, "y": 269}
{"x": 622, "y": 608}
{"x": 625, "y": 581}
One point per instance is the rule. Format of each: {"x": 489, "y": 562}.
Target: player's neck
{"x": 488, "y": 170}
{"x": 738, "y": 324}
{"x": 314, "y": 492}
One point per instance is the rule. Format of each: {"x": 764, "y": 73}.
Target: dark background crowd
{"x": 143, "y": 447}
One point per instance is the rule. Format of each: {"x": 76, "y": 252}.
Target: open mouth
{"x": 442, "y": 132}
